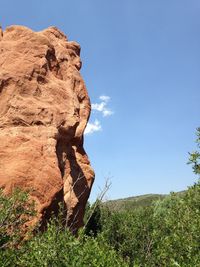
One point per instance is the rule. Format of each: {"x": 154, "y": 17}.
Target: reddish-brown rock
{"x": 44, "y": 109}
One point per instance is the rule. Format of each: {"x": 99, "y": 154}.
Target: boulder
{"x": 44, "y": 109}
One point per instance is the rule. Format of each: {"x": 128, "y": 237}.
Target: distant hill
{"x": 134, "y": 202}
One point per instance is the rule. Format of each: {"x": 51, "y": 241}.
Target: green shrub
{"x": 194, "y": 158}
{"x": 55, "y": 247}
{"x": 130, "y": 233}
{"x": 165, "y": 234}
{"x": 176, "y": 232}
{"x": 15, "y": 211}
{"x": 93, "y": 222}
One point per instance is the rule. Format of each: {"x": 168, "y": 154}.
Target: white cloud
{"x": 107, "y": 112}
{"x": 99, "y": 107}
{"x": 93, "y": 127}
{"x": 104, "y": 98}
{"x": 102, "y": 106}
{"x": 103, "y": 109}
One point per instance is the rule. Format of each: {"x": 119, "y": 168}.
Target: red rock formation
{"x": 44, "y": 109}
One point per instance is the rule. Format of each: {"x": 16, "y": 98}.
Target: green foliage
{"x": 55, "y": 247}
{"x": 14, "y": 213}
{"x": 93, "y": 220}
{"x": 195, "y": 156}
{"x": 176, "y": 232}
{"x": 131, "y": 203}
{"x": 164, "y": 234}
{"x": 130, "y": 233}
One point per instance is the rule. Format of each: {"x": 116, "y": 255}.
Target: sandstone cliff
{"x": 44, "y": 109}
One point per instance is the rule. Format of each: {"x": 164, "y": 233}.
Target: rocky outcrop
{"x": 44, "y": 109}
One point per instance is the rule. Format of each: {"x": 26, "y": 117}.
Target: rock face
{"x": 44, "y": 109}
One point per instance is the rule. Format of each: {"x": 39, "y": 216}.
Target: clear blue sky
{"x": 144, "y": 55}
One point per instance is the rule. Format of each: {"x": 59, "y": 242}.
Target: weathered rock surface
{"x": 44, "y": 109}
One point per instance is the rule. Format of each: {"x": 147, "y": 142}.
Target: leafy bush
{"x": 176, "y": 232}
{"x": 93, "y": 222}
{"x": 165, "y": 234}
{"x": 15, "y": 211}
{"x": 130, "y": 233}
{"x": 194, "y": 158}
{"x": 55, "y": 247}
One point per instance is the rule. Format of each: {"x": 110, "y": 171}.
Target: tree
{"x": 194, "y": 158}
